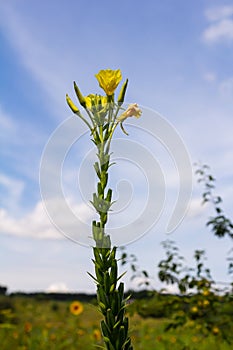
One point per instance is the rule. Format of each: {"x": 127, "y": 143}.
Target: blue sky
{"x": 178, "y": 58}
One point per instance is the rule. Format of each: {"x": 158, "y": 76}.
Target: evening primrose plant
{"x": 102, "y": 116}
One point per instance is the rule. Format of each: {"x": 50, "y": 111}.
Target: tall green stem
{"x": 110, "y": 295}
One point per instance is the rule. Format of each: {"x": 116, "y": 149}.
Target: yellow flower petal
{"x": 108, "y": 80}
{"x": 95, "y": 100}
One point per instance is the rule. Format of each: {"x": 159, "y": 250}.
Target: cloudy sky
{"x": 178, "y": 58}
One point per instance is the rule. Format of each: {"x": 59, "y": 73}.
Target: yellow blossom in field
{"x": 206, "y": 302}
{"x": 206, "y": 292}
{"x": 97, "y": 334}
{"x": 132, "y": 111}
{"x": 194, "y": 309}
{"x": 215, "y": 330}
{"x": 108, "y": 80}
{"x": 76, "y": 308}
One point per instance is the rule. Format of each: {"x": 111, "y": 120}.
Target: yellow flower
{"x": 76, "y": 308}
{"x": 132, "y": 111}
{"x": 97, "y": 334}
{"x": 206, "y": 292}
{"x": 215, "y": 330}
{"x": 108, "y": 80}
{"x": 96, "y": 101}
{"x": 206, "y": 302}
{"x": 194, "y": 309}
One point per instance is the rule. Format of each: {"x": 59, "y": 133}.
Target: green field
{"x": 31, "y": 323}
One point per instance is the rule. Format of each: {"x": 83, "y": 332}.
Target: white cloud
{"x": 219, "y": 31}
{"x": 218, "y": 13}
{"x": 36, "y": 224}
{"x": 210, "y": 77}
{"x": 58, "y": 287}
{"x": 221, "y": 24}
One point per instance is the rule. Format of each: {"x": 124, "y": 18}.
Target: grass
{"x": 31, "y": 324}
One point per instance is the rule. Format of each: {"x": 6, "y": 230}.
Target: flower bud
{"x": 121, "y": 96}
{"x": 71, "y": 104}
{"x": 79, "y": 95}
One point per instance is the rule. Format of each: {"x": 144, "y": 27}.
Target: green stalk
{"x": 110, "y": 295}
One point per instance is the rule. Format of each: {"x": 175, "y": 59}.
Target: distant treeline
{"x": 83, "y": 297}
